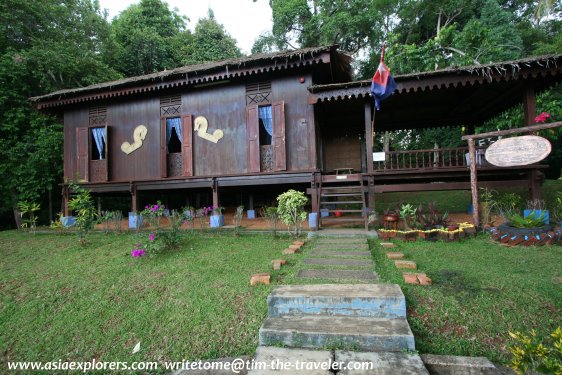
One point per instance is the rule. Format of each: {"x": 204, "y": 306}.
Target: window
{"x": 97, "y": 143}
{"x": 266, "y": 124}
{"x": 173, "y": 135}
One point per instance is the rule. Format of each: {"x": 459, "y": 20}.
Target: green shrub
{"x": 290, "y": 208}
{"x": 518, "y": 221}
{"x": 531, "y": 354}
{"x": 27, "y": 212}
{"x": 83, "y": 207}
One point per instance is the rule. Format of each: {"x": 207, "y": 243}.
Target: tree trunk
{"x": 17, "y": 218}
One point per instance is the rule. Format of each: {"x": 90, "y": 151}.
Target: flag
{"x": 382, "y": 85}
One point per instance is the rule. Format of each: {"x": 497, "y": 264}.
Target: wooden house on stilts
{"x": 244, "y": 130}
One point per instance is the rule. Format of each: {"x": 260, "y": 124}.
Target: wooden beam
{"x": 527, "y": 129}
{"x": 369, "y": 136}
{"x": 473, "y": 183}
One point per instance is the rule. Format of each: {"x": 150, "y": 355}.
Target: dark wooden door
{"x": 253, "y": 131}
{"x": 82, "y": 153}
{"x": 187, "y": 145}
{"x": 279, "y": 153}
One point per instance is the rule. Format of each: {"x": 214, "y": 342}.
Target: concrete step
{"x": 342, "y": 332}
{"x": 339, "y": 275}
{"x": 285, "y": 361}
{"x": 342, "y": 246}
{"x": 383, "y": 363}
{"x": 363, "y": 263}
{"x": 340, "y": 253}
{"x": 336, "y": 240}
{"x": 363, "y": 300}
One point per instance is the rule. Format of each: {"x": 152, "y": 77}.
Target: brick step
{"x": 358, "y": 333}
{"x": 363, "y": 300}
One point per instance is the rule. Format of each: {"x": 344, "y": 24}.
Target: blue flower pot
{"x": 537, "y": 214}
{"x": 68, "y": 221}
{"x": 312, "y": 219}
{"x": 216, "y": 221}
{"x": 135, "y": 221}
{"x": 251, "y": 214}
{"x": 324, "y": 212}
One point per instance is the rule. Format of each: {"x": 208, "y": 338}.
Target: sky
{"x": 244, "y": 20}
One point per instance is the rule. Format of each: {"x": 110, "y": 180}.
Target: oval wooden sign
{"x": 524, "y": 150}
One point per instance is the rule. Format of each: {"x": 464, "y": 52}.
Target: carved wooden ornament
{"x": 524, "y": 150}
{"x": 201, "y": 126}
{"x": 139, "y": 134}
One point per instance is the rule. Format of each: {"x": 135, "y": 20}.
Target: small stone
{"x": 296, "y": 247}
{"x": 423, "y": 279}
{"x": 387, "y": 244}
{"x": 298, "y": 243}
{"x": 277, "y": 263}
{"x": 410, "y": 278}
{"x": 405, "y": 264}
{"x": 289, "y": 251}
{"x": 394, "y": 255}
{"x": 260, "y": 278}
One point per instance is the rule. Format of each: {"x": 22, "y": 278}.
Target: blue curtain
{"x": 173, "y": 123}
{"x": 99, "y": 138}
{"x": 267, "y": 118}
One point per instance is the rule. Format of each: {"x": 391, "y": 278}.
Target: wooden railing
{"x": 441, "y": 158}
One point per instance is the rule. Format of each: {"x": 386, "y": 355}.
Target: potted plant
{"x": 536, "y": 207}
{"x": 217, "y": 218}
{"x": 390, "y": 219}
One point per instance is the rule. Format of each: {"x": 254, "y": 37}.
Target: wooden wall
{"x": 224, "y": 106}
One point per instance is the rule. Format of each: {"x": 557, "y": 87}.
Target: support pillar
{"x": 65, "y": 195}
{"x": 134, "y": 198}
{"x": 534, "y": 185}
{"x": 371, "y": 193}
{"x": 369, "y": 136}
{"x": 474, "y": 183}
{"x": 251, "y": 202}
{"x": 215, "y": 188}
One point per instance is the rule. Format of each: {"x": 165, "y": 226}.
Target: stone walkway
{"x": 348, "y": 318}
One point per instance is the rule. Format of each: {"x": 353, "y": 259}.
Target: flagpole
{"x": 375, "y": 109}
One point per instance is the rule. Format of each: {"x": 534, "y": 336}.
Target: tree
{"x": 211, "y": 42}
{"x": 44, "y": 46}
{"x": 148, "y": 38}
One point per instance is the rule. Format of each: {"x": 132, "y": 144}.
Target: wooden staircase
{"x": 340, "y": 191}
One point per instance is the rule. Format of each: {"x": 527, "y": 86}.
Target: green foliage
{"x": 408, "y": 214}
{"x": 153, "y": 214}
{"x": 271, "y": 216}
{"x": 211, "y": 42}
{"x": 290, "y": 208}
{"x": 507, "y": 204}
{"x": 531, "y": 221}
{"x": 431, "y": 217}
{"x": 557, "y": 207}
{"x": 534, "y": 354}
{"x": 83, "y": 207}
{"x": 27, "y": 212}
{"x": 238, "y": 215}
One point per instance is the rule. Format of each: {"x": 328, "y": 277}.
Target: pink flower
{"x": 137, "y": 253}
{"x": 151, "y": 236}
{"x": 542, "y": 117}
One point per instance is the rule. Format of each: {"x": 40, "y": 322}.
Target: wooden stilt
{"x": 474, "y": 182}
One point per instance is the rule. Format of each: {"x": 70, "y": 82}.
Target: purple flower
{"x": 139, "y": 245}
{"x": 137, "y": 253}
{"x": 151, "y": 236}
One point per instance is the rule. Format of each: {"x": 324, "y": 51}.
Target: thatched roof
{"x": 194, "y": 74}
{"x": 456, "y": 75}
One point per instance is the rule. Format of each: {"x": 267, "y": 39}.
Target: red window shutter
{"x": 82, "y": 153}
{"x": 187, "y": 144}
{"x": 163, "y": 149}
{"x": 252, "y": 123}
{"x": 280, "y": 155}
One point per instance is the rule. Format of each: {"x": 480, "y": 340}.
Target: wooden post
{"x": 474, "y": 183}
{"x": 251, "y": 202}
{"x": 134, "y": 197}
{"x": 369, "y": 136}
{"x": 534, "y": 185}
{"x": 65, "y": 210}
{"x": 215, "y": 193}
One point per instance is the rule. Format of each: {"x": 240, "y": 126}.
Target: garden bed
{"x": 462, "y": 230}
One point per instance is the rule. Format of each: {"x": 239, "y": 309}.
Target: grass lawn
{"x": 480, "y": 291}
{"x": 59, "y": 300}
